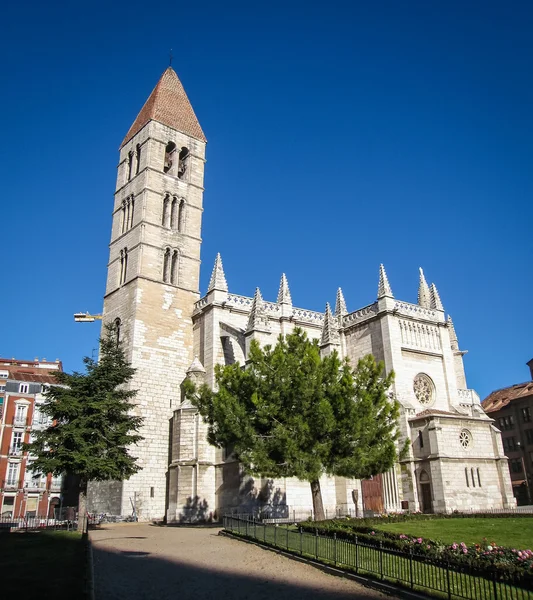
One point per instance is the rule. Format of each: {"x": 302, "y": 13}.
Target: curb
{"x": 89, "y": 589}
{"x": 380, "y": 586}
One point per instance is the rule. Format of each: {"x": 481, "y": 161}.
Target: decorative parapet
{"x": 239, "y": 301}
{"x": 416, "y": 311}
{"x": 201, "y": 303}
{"x": 468, "y": 397}
{"x": 420, "y": 336}
{"x": 363, "y": 314}
{"x": 307, "y": 316}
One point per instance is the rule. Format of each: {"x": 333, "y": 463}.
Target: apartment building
{"x": 22, "y": 492}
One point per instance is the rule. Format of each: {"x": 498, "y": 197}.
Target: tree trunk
{"x": 82, "y": 506}
{"x": 318, "y": 507}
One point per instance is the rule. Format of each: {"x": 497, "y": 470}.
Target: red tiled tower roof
{"x": 168, "y": 104}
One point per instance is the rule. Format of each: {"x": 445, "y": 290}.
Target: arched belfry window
{"x": 123, "y": 265}
{"x": 181, "y": 215}
{"x": 166, "y": 265}
{"x": 170, "y": 266}
{"x": 174, "y": 268}
{"x": 169, "y": 165}
{"x": 117, "y": 324}
{"x": 138, "y": 159}
{"x": 130, "y": 165}
{"x": 174, "y": 213}
{"x": 183, "y": 161}
{"x": 165, "y": 219}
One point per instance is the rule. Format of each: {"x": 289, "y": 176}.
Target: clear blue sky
{"x": 341, "y": 135}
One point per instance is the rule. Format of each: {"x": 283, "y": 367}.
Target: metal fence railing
{"x": 409, "y": 570}
{"x": 8, "y": 523}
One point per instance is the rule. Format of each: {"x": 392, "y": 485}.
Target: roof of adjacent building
{"x": 501, "y": 398}
{"x": 32, "y": 377}
{"x": 168, "y": 104}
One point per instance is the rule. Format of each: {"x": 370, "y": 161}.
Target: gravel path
{"x": 145, "y": 562}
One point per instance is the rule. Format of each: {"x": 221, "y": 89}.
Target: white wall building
{"x": 456, "y": 459}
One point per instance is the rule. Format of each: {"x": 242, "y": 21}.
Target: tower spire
{"x": 330, "y": 333}
{"x": 168, "y": 104}
{"x": 284, "y": 294}
{"x": 434, "y": 298}
{"x": 423, "y": 291}
{"x": 340, "y": 304}
{"x": 384, "y": 288}
{"x": 218, "y": 279}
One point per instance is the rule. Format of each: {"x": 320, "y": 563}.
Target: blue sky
{"x": 341, "y": 135}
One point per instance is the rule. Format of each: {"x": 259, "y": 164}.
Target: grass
{"x": 44, "y": 564}
{"x": 395, "y": 568}
{"x": 514, "y": 533}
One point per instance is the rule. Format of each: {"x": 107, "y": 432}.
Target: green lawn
{"x": 45, "y": 564}
{"x": 515, "y": 533}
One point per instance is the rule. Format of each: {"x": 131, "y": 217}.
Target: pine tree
{"x": 293, "y": 413}
{"x": 92, "y": 428}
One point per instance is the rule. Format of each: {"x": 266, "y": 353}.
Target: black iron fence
{"x": 409, "y": 570}
{"x": 26, "y": 523}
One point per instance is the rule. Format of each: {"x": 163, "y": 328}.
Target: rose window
{"x": 465, "y": 438}
{"x": 424, "y": 389}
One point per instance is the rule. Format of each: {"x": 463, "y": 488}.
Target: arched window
{"x": 473, "y": 480}
{"x": 166, "y": 266}
{"x": 478, "y": 478}
{"x": 421, "y": 438}
{"x": 424, "y": 389}
{"x": 181, "y": 215}
{"x": 130, "y": 164}
{"x": 165, "y": 220}
{"x": 174, "y": 213}
{"x": 138, "y": 157}
{"x": 170, "y": 158}
{"x": 117, "y": 330}
{"x": 132, "y": 208}
{"x": 123, "y": 265}
{"x": 466, "y": 476}
{"x": 183, "y": 162}
{"x": 174, "y": 268}
{"x": 123, "y": 228}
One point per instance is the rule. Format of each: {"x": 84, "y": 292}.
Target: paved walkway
{"x": 145, "y": 562}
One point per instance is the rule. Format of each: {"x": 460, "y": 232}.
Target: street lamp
{"x": 522, "y": 451}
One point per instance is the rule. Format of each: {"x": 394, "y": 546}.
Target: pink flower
{"x": 465, "y": 551}
{"x": 454, "y": 546}
{"x": 428, "y": 546}
{"x": 373, "y": 533}
{"x": 419, "y": 540}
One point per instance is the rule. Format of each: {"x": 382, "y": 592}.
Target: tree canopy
{"x": 293, "y": 413}
{"x": 92, "y": 428}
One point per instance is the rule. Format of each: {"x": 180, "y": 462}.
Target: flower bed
{"x": 487, "y": 558}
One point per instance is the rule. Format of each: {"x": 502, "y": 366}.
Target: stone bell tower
{"x": 153, "y": 280}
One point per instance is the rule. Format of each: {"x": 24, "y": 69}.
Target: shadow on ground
{"x": 122, "y": 574}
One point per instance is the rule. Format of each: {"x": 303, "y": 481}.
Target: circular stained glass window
{"x": 465, "y": 438}
{"x": 424, "y": 389}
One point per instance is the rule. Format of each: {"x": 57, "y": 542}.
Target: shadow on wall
{"x": 196, "y": 510}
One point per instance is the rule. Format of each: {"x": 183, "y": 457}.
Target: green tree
{"x": 293, "y": 413}
{"x": 92, "y": 427}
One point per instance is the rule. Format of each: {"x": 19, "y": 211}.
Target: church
{"x": 170, "y": 332}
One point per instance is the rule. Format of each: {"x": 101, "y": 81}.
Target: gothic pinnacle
{"x": 218, "y": 279}
{"x": 256, "y": 311}
{"x": 330, "y": 333}
{"x": 384, "y": 288}
{"x": 340, "y": 304}
{"x": 434, "y": 298}
{"x": 284, "y": 294}
{"x": 424, "y": 299}
{"x": 454, "y": 342}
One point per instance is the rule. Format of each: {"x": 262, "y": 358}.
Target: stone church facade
{"x": 169, "y": 332}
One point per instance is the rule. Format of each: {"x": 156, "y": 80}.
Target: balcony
{"x": 40, "y": 424}
{"x": 35, "y": 484}
{"x": 55, "y": 484}
{"x": 19, "y": 421}
{"x": 12, "y": 484}
{"x": 468, "y": 397}
{"x": 15, "y": 451}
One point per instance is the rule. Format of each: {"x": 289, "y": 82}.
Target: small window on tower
{"x": 130, "y": 165}
{"x": 170, "y": 158}
{"x": 117, "y": 330}
{"x": 183, "y": 162}
{"x": 138, "y": 167}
